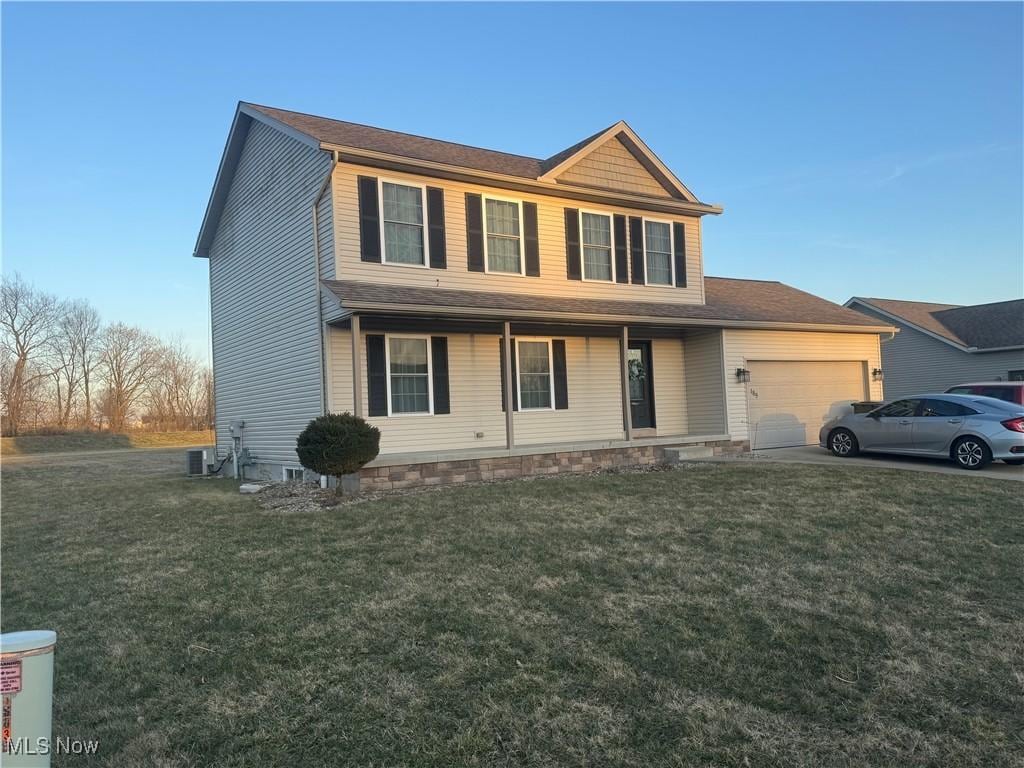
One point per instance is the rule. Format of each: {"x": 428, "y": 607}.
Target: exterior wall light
{"x": 877, "y": 375}
{"x": 742, "y": 375}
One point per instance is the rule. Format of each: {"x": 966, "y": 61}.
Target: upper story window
{"x": 408, "y": 365}
{"x": 596, "y": 239}
{"x": 402, "y": 224}
{"x": 658, "y": 252}
{"x": 503, "y": 221}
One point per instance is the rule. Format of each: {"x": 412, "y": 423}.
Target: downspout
{"x": 316, "y": 282}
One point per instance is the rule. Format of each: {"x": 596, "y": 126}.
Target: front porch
{"x": 511, "y": 398}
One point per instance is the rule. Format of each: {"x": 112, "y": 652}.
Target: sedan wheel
{"x": 843, "y": 443}
{"x": 971, "y": 453}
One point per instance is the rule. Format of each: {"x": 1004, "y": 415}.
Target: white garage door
{"x": 788, "y": 401}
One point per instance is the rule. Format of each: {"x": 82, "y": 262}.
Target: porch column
{"x": 627, "y": 417}
{"x": 357, "y": 367}
{"x": 506, "y": 372}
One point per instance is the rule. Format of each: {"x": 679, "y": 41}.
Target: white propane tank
{"x": 26, "y": 688}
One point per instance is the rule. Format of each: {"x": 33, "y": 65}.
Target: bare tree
{"x": 129, "y": 356}
{"x": 28, "y": 319}
{"x": 80, "y": 332}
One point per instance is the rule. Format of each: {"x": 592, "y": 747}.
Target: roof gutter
{"x": 497, "y": 314}
{"x": 458, "y": 173}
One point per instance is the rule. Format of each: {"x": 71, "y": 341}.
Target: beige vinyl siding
{"x": 915, "y": 362}
{"x": 551, "y": 234}
{"x": 263, "y": 294}
{"x": 743, "y": 346}
{"x": 612, "y": 166}
{"x": 703, "y": 377}
{"x": 594, "y": 413}
{"x": 325, "y": 243}
{"x": 669, "y": 386}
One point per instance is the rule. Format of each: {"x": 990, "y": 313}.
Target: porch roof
{"x": 729, "y": 303}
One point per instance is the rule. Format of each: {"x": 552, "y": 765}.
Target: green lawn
{"x": 99, "y": 441}
{"x": 731, "y": 614}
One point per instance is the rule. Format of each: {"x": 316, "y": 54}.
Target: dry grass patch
{"x": 101, "y": 441}
{"x": 736, "y": 614}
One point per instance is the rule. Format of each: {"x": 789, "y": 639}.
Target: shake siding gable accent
{"x": 263, "y": 296}
{"x": 679, "y": 253}
{"x": 439, "y": 369}
{"x": 573, "y": 265}
{"x": 612, "y": 166}
{"x": 531, "y": 246}
{"x": 463, "y": 274}
{"x": 435, "y": 228}
{"x": 369, "y": 220}
{"x": 742, "y": 346}
{"x": 474, "y": 232}
{"x": 621, "y": 249}
{"x": 636, "y": 247}
{"x": 914, "y": 362}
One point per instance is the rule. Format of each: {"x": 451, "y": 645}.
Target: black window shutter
{"x": 474, "y": 232}
{"x": 376, "y": 376}
{"x": 435, "y": 228}
{"x": 621, "y": 257}
{"x": 561, "y": 377}
{"x": 679, "y": 246}
{"x": 636, "y": 247}
{"x": 439, "y": 371}
{"x": 572, "y": 244}
{"x": 515, "y": 386}
{"x": 369, "y": 220}
{"x": 532, "y": 245}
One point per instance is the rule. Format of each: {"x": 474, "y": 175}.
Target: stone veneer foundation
{"x": 505, "y": 467}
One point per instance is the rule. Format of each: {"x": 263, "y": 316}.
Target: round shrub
{"x": 337, "y": 444}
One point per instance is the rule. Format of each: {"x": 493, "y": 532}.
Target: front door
{"x": 641, "y": 384}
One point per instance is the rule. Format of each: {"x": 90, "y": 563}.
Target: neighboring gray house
{"x": 942, "y": 345}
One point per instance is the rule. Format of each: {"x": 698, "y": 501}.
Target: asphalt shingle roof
{"x": 980, "y": 326}
{"x": 727, "y": 299}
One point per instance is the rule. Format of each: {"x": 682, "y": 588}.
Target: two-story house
{"x": 495, "y": 314}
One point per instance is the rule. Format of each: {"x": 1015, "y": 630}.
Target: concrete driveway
{"x": 812, "y": 454}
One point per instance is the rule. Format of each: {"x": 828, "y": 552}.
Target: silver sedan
{"x": 968, "y": 429}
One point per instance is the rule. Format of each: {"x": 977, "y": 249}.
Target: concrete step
{"x": 688, "y": 453}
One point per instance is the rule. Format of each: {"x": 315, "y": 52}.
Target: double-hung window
{"x": 402, "y": 224}
{"x": 596, "y": 236}
{"x": 409, "y": 374}
{"x": 658, "y": 252}
{"x": 503, "y": 222}
{"x": 534, "y": 368}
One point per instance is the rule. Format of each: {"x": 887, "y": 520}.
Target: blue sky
{"x": 869, "y": 149}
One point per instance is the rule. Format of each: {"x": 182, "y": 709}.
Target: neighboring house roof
{"x": 543, "y": 174}
{"x": 741, "y": 302}
{"x": 976, "y": 328}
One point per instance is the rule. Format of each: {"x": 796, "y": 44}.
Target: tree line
{"x": 63, "y": 369}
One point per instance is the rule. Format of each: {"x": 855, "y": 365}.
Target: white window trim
{"x": 671, "y": 251}
{"x": 522, "y": 236}
{"x": 294, "y": 468}
{"x": 430, "y": 373}
{"x": 551, "y": 373}
{"x": 611, "y": 252}
{"x": 426, "y": 223}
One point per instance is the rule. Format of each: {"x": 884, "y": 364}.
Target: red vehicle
{"x": 1010, "y": 391}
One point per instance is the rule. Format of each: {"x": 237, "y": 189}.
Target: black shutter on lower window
{"x": 636, "y": 247}
{"x": 561, "y": 374}
{"x": 435, "y": 228}
{"x": 573, "y": 269}
{"x": 679, "y": 248}
{"x": 474, "y": 232}
{"x": 369, "y": 219}
{"x": 376, "y": 376}
{"x": 439, "y": 372}
{"x": 621, "y": 256}
{"x": 531, "y": 247}
{"x": 515, "y": 387}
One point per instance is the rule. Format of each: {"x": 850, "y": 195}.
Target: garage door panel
{"x": 788, "y": 401}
